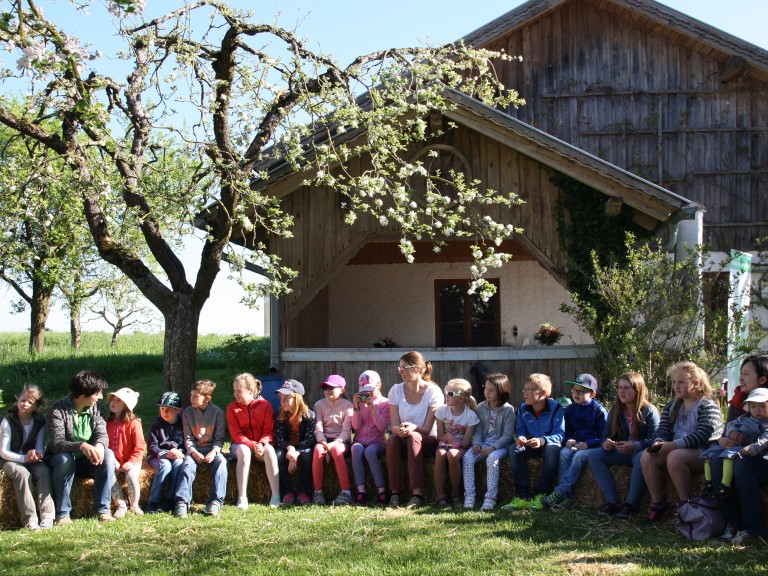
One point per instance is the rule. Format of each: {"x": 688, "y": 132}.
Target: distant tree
{"x": 120, "y": 305}
{"x": 237, "y": 93}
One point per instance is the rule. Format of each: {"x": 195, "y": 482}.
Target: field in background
{"x": 137, "y": 363}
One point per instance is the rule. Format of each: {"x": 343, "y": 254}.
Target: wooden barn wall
{"x": 321, "y": 238}
{"x": 310, "y": 328}
{"x": 649, "y": 100}
{"x": 311, "y": 374}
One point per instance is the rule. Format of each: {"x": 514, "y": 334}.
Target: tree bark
{"x": 40, "y": 305}
{"x": 75, "y": 328}
{"x": 180, "y": 345}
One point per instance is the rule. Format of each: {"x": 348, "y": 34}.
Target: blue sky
{"x": 346, "y": 28}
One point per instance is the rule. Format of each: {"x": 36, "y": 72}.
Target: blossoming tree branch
{"x": 226, "y": 93}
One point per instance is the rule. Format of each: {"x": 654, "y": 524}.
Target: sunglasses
{"x": 452, "y": 394}
{"x": 404, "y": 368}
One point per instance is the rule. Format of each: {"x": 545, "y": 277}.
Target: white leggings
{"x": 132, "y": 480}
{"x": 492, "y": 465}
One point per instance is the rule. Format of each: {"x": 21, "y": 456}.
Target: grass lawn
{"x": 315, "y": 540}
{"x": 369, "y": 541}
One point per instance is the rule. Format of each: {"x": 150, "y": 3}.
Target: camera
{"x": 364, "y": 397}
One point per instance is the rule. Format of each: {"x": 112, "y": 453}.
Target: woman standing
{"x": 412, "y": 405}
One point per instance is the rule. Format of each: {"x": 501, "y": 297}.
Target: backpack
{"x": 699, "y": 518}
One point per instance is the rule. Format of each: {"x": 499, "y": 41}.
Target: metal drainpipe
{"x": 274, "y": 333}
{"x": 690, "y": 235}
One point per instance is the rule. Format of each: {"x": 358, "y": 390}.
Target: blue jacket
{"x": 549, "y": 425}
{"x": 585, "y": 422}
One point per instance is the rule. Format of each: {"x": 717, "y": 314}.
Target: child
{"x": 493, "y": 436}
{"x": 753, "y": 374}
{"x": 78, "y": 445}
{"x": 370, "y": 421}
{"x": 22, "y": 437}
{"x": 584, "y": 423}
{"x": 540, "y": 429}
{"x": 456, "y": 421}
{"x": 630, "y": 429}
{"x": 690, "y": 422}
{"x": 204, "y": 427}
{"x": 165, "y": 453}
{"x": 251, "y": 426}
{"x": 294, "y": 439}
{"x": 750, "y": 430}
{"x": 333, "y": 431}
{"x": 126, "y": 439}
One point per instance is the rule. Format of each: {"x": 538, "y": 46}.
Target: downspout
{"x": 689, "y": 235}
{"x": 274, "y": 334}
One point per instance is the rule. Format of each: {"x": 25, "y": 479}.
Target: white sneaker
{"x": 242, "y": 503}
{"x": 469, "y": 502}
{"x": 488, "y": 504}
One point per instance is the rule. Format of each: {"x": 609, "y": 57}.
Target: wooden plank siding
{"x": 311, "y": 367}
{"x": 648, "y": 98}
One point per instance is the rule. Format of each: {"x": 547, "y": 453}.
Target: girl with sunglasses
{"x": 456, "y": 421}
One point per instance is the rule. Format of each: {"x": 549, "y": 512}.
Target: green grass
{"x": 137, "y": 363}
{"x": 330, "y": 541}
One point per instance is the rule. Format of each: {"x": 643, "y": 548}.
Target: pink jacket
{"x": 333, "y": 421}
{"x": 370, "y": 426}
{"x": 126, "y": 439}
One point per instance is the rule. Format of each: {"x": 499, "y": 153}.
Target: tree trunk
{"x": 116, "y": 329}
{"x": 75, "y": 328}
{"x": 40, "y": 304}
{"x": 180, "y": 346}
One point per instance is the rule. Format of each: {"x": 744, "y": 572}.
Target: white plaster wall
{"x": 397, "y": 301}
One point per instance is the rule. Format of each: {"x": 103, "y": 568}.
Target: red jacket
{"x": 126, "y": 440}
{"x": 251, "y": 424}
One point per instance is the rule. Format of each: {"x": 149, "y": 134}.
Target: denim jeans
{"x": 64, "y": 467}
{"x": 749, "y": 474}
{"x": 188, "y": 472}
{"x": 518, "y": 462}
{"x": 166, "y": 474}
{"x": 287, "y": 483}
{"x": 572, "y": 462}
{"x": 600, "y": 461}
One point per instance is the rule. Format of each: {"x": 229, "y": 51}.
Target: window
{"x": 464, "y": 320}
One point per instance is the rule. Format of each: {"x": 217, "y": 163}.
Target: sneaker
{"x": 744, "y": 537}
{"x": 415, "y": 502}
{"x": 361, "y": 498}
{"x": 274, "y": 500}
{"x": 441, "y": 504}
{"x": 152, "y": 508}
{"x": 136, "y": 510}
{"x": 46, "y": 523}
{"x": 626, "y": 511}
{"x": 658, "y": 511}
{"x": 242, "y": 503}
{"x": 553, "y": 499}
{"x": 302, "y": 500}
{"x": 469, "y": 502}
{"x": 729, "y": 533}
{"x": 32, "y": 526}
{"x": 456, "y": 503}
{"x": 488, "y": 504}
{"x": 120, "y": 512}
{"x": 536, "y": 503}
{"x": 180, "y": 511}
{"x": 723, "y": 493}
{"x": 105, "y": 517}
{"x": 382, "y": 499}
{"x": 63, "y": 521}
{"x": 318, "y": 498}
{"x": 394, "y": 501}
{"x": 609, "y": 509}
{"x": 343, "y": 499}
{"x": 212, "y": 508}
{"x": 288, "y": 500}
{"x": 517, "y": 504}
{"x": 707, "y": 490}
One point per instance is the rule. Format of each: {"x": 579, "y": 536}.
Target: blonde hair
{"x": 465, "y": 388}
{"x": 542, "y": 381}
{"x": 699, "y": 383}
{"x": 300, "y": 410}
{"x": 35, "y": 394}
{"x": 637, "y": 382}
{"x": 249, "y": 382}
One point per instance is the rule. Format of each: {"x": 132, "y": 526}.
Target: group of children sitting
{"x": 294, "y": 444}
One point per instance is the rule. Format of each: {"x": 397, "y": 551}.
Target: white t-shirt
{"x": 457, "y": 425}
{"x": 416, "y": 413}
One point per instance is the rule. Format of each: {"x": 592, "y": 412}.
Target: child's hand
{"x": 487, "y": 450}
{"x": 476, "y": 449}
{"x": 197, "y": 457}
{"x": 174, "y": 454}
{"x": 210, "y": 457}
{"x": 31, "y": 456}
{"x": 448, "y": 438}
{"x": 127, "y": 467}
{"x": 736, "y": 436}
{"x": 521, "y": 441}
{"x": 571, "y": 443}
{"x": 626, "y": 447}
{"x": 258, "y": 449}
{"x": 609, "y": 445}
{"x": 535, "y": 443}
{"x": 726, "y": 442}
{"x": 581, "y": 446}
{"x": 744, "y": 452}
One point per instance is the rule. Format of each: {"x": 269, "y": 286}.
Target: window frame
{"x": 464, "y": 283}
